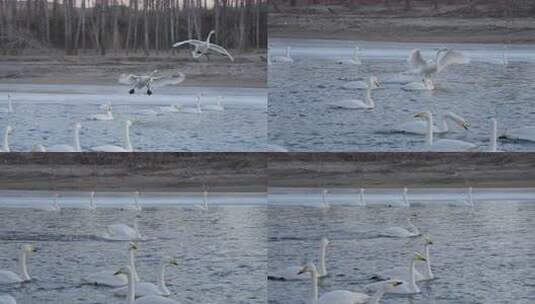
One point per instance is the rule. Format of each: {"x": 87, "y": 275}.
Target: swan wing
{"x": 452, "y": 145}
{"x": 7, "y": 299}
{"x": 416, "y": 60}
{"x": 414, "y": 127}
{"x": 400, "y": 289}
{"x": 194, "y": 42}
{"x": 129, "y": 79}
{"x": 343, "y": 297}
{"x": 450, "y": 57}
{"x": 350, "y": 104}
{"x": 109, "y": 148}
{"x": 221, "y": 50}
{"x": 61, "y": 148}
{"x": 9, "y": 277}
{"x": 155, "y": 300}
{"x": 398, "y": 232}
{"x": 142, "y": 289}
{"x": 173, "y": 79}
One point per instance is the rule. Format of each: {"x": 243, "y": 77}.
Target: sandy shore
{"x": 159, "y": 172}
{"x": 394, "y": 170}
{"x": 248, "y": 70}
{"x": 450, "y": 24}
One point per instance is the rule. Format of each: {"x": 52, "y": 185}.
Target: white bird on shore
{"x": 355, "y": 60}
{"x": 103, "y": 117}
{"x": 9, "y": 108}
{"x": 194, "y": 110}
{"x": 420, "y": 126}
{"x": 5, "y": 147}
{"x": 63, "y": 148}
{"x": 354, "y": 104}
{"x": 291, "y": 273}
{"x": 442, "y": 145}
{"x": 147, "y": 288}
{"x": 372, "y": 82}
{"x": 443, "y": 59}
{"x": 409, "y": 283}
{"x": 217, "y": 107}
{"x": 112, "y": 148}
{"x": 399, "y": 232}
{"x": 204, "y": 47}
{"x": 287, "y": 58}
{"x": 109, "y": 278}
{"x": 150, "y": 81}
{"x": 7, "y": 299}
{"x": 344, "y": 296}
{"x": 9, "y": 277}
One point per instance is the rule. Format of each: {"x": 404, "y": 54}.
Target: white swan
{"x": 204, "y": 47}
{"x": 7, "y": 299}
{"x": 362, "y": 200}
{"x": 420, "y": 127}
{"x": 366, "y": 104}
{"x": 112, "y": 148}
{"x": 8, "y": 131}
{"x": 217, "y": 107}
{"x": 9, "y": 108}
{"x": 372, "y": 82}
{"x": 470, "y": 197}
{"x": 106, "y": 116}
{"x": 9, "y": 277}
{"x": 109, "y": 278}
{"x": 147, "y": 288}
{"x": 344, "y": 296}
{"x": 324, "y": 203}
{"x": 425, "y": 85}
{"x": 291, "y": 273}
{"x": 66, "y": 148}
{"x": 196, "y": 109}
{"x": 442, "y": 145}
{"x": 524, "y": 133}
{"x": 399, "y": 232}
{"x": 406, "y": 202}
{"x": 150, "y": 81}
{"x": 204, "y": 205}
{"x": 122, "y": 232}
{"x": 92, "y": 204}
{"x": 409, "y": 283}
{"x": 443, "y": 59}
{"x": 493, "y": 147}
{"x": 131, "y": 295}
{"x": 135, "y": 206}
{"x": 54, "y": 207}
{"x": 287, "y": 58}
{"x": 354, "y": 60}
{"x": 404, "y": 272}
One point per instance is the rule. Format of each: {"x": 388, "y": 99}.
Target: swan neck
{"x": 288, "y": 52}
{"x": 493, "y": 135}
{"x": 9, "y": 104}
{"x": 209, "y": 37}
{"x": 127, "y": 138}
{"x": 362, "y": 201}
{"x": 428, "y": 262}
{"x": 92, "y": 201}
{"x": 24, "y": 267}
{"x": 412, "y": 276}
{"x": 405, "y": 198}
{"x": 429, "y": 130}
{"x": 132, "y": 264}
{"x": 323, "y": 266}
{"x": 314, "y": 294}
{"x": 6, "y": 141}
{"x": 369, "y": 99}
{"x": 161, "y": 283}
{"x": 77, "y": 140}
{"x": 445, "y": 125}
{"x": 131, "y": 287}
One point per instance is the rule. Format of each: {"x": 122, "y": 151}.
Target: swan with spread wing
{"x": 204, "y": 47}
{"x": 428, "y": 69}
{"x": 152, "y": 80}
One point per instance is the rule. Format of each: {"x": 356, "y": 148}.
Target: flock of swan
{"x": 75, "y": 146}
{"x": 125, "y": 282}
{"x": 424, "y": 125}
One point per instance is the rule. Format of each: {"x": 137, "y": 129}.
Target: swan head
{"x": 56, "y": 195}
{"x": 172, "y": 262}
{"x": 128, "y": 123}
{"x": 309, "y": 267}
{"x": 405, "y": 190}
{"x": 132, "y": 246}
{"x": 29, "y": 249}
{"x": 211, "y": 32}
{"x": 362, "y": 190}
{"x": 123, "y": 270}
{"x": 428, "y": 240}
{"x": 78, "y": 126}
{"x": 423, "y": 115}
{"x": 458, "y": 120}
{"x": 324, "y": 241}
{"x": 374, "y": 82}
{"x": 325, "y": 191}
{"x": 394, "y": 283}
{"x": 419, "y": 257}
{"x": 9, "y": 129}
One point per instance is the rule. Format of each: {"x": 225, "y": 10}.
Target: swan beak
{"x": 173, "y": 262}
{"x": 303, "y": 270}
{"x": 465, "y": 126}
{"x": 419, "y": 115}
{"x": 133, "y": 246}
{"x": 397, "y": 283}
{"x": 118, "y": 272}
{"x": 378, "y": 84}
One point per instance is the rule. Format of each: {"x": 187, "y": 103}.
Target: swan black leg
{"x": 149, "y": 92}
{"x": 132, "y": 91}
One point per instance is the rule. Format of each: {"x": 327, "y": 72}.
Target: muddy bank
{"x": 248, "y": 69}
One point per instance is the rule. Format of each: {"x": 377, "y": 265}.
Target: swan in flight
{"x": 217, "y": 107}
{"x": 7, "y": 299}
{"x": 122, "y": 232}
{"x": 196, "y": 109}
{"x": 131, "y": 290}
{"x": 399, "y": 232}
{"x": 108, "y": 278}
{"x": 354, "y": 104}
{"x": 106, "y": 116}
{"x": 443, "y": 59}
{"x": 64, "y": 148}
{"x": 287, "y": 58}
{"x": 9, "y": 108}
{"x": 409, "y": 283}
{"x": 442, "y": 145}
{"x": 354, "y": 60}
{"x": 112, "y": 148}
{"x": 204, "y": 47}
{"x": 523, "y": 133}
{"x": 373, "y": 82}
{"x": 291, "y": 273}
{"x": 5, "y": 147}
{"x": 151, "y": 80}
{"x": 9, "y": 277}
{"x": 425, "y": 85}
{"x": 405, "y": 273}
{"x": 147, "y": 288}
{"x": 344, "y": 296}
{"x": 420, "y": 127}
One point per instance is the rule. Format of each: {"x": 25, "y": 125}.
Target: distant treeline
{"x": 150, "y": 26}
